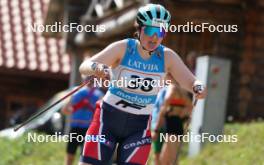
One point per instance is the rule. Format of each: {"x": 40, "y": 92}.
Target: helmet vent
{"x": 158, "y": 12}
{"x": 166, "y": 15}
{"x": 149, "y": 14}
{"x": 142, "y": 17}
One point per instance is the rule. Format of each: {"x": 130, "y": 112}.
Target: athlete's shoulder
{"x": 81, "y": 93}
{"x": 169, "y": 52}
{"x": 118, "y": 47}
{"x": 120, "y": 44}
{"x": 112, "y": 53}
{"x": 170, "y": 57}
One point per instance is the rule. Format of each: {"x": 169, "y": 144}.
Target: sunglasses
{"x": 151, "y": 30}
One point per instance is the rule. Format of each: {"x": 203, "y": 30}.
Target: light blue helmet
{"x": 153, "y": 15}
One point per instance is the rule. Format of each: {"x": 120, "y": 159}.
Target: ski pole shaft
{"x": 49, "y": 107}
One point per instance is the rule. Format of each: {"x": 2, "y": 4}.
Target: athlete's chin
{"x": 152, "y": 48}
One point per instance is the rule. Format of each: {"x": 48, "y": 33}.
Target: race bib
{"x": 140, "y": 83}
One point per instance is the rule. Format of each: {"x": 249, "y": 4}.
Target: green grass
{"x": 248, "y": 150}
{"x": 21, "y": 152}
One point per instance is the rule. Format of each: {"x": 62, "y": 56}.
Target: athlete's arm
{"x": 178, "y": 70}
{"x": 110, "y": 56}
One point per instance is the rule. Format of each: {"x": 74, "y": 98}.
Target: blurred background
{"x": 35, "y": 67}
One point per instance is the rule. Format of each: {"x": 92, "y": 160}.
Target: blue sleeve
{"x": 100, "y": 94}
{"x": 97, "y": 94}
{"x": 77, "y": 97}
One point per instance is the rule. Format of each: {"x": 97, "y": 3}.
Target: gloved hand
{"x": 199, "y": 90}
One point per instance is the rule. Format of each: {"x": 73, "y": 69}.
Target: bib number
{"x": 140, "y": 83}
{"x": 136, "y": 82}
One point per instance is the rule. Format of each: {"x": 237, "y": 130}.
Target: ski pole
{"x": 52, "y": 105}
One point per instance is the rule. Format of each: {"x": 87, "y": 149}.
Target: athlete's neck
{"x": 145, "y": 54}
